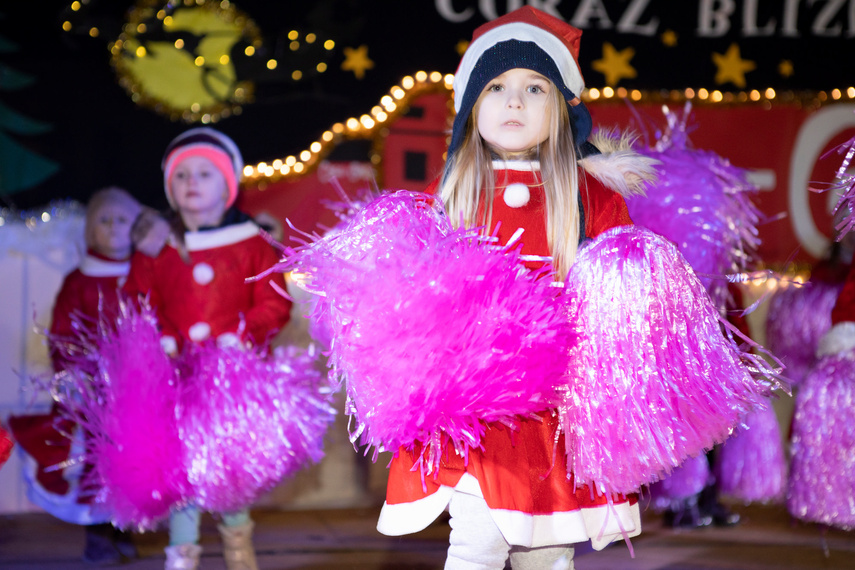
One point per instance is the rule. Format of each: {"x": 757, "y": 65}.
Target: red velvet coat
{"x": 209, "y": 296}
{"x": 844, "y": 308}
{"x": 531, "y": 497}
{"x": 44, "y": 437}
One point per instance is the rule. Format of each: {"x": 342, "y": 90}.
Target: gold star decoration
{"x": 615, "y": 64}
{"x": 356, "y": 60}
{"x": 461, "y": 47}
{"x": 731, "y": 66}
{"x": 669, "y": 38}
{"x": 785, "y": 68}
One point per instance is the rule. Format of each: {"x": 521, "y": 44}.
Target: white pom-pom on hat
{"x": 516, "y": 195}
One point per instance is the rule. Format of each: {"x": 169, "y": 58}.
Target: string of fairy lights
{"x": 374, "y": 123}
{"x": 396, "y": 101}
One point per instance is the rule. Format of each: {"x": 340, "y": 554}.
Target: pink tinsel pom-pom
{"x": 844, "y": 186}
{"x": 798, "y": 317}
{"x": 750, "y": 466}
{"x": 434, "y": 331}
{"x": 702, "y": 203}
{"x": 127, "y": 407}
{"x": 684, "y": 482}
{"x": 247, "y": 421}
{"x": 654, "y": 379}
{"x": 822, "y": 468}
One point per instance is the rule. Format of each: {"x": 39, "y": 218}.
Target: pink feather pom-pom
{"x": 127, "y": 407}
{"x": 248, "y": 421}
{"x": 798, "y": 317}
{"x": 434, "y": 331}
{"x": 822, "y": 467}
{"x": 654, "y": 379}
{"x": 684, "y": 482}
{"x": 750, "y": 466}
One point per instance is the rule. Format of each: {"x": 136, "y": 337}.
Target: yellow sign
{"x": 179, "y": 60}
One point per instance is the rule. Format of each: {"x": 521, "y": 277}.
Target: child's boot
{"x": 237, "y": 546}
{"x": 183, "y": 557}
{"x": 99, "y": 549}
{"x": 124, "y": 543}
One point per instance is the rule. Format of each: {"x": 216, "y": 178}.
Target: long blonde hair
{"x": 468, "y": 185}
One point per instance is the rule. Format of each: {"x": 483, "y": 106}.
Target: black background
{"x": 100, "y": 137}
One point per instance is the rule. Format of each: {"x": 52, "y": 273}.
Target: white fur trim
{"x": 95, "y": 267}
{"x": 841, "y": 338}
{"x": 547, "y": 41}
{"x": 601, "y": 525}
{"x": 64, "y": 507}
{"x": 619, "y": 167}
{"x": 209, "y": 239}
{"x": 516, "y": 195}
{"x": 517, "y": 165}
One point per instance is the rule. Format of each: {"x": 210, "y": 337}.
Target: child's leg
{"x": 183, "y": 551}
{"x": 236, "y": 531}
{"x": 475, "y": 542}
{"x": 550, "y": 557}
{"x": 238, "y": 518}
{"x": 184, "y": 526}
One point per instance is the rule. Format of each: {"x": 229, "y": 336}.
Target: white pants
{"x": 475, "y": 542}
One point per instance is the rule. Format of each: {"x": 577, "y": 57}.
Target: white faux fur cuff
{"x": 841, "y": 338}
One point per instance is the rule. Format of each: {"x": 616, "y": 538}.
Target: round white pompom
{"x": 517, "y": 195}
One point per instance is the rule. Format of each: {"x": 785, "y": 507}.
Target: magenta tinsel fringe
{"x": 215, "y": 427}
{"x": 434, "y": 331}
{"x": 822, "y": 468}
{"x": 751, "y": 466}
{"x": 248, "y": 421}
{"x": 127, "y": 407}
{"x": 684, "y": 482}
{"x": 654, "y": 380}
{"x": 701, "y": 203}
{"x": 798, "y": 317}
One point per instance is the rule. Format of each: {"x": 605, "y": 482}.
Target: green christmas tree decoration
{"x": 20, "y": 168}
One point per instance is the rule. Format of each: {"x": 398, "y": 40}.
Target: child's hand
{"x": 229, "y": 340}
{"x": 169, "y": 345}
{"x": 150, "y": 232}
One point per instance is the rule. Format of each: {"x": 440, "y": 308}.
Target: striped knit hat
{"x": 526, "y": 38}
{"x": 210, "y": 144}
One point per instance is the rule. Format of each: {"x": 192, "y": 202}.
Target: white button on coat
{"x": 203, "y": 273}
{"x": 199, "y": 332}
{"x": 516, "y": 195}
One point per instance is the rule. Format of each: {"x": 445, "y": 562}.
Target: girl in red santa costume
{"x": 197, "y": 288}
{"x": 520, "y": 155}
{"x": 87, "y": 294}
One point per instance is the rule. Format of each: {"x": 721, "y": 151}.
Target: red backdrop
{"x": 782, "y": 145}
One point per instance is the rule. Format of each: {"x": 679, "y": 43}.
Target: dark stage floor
{"x": 339, "y": 539}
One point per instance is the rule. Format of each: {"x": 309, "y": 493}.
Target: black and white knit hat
{"x": 208, "y": 143}
{"x": 526, "y": 38}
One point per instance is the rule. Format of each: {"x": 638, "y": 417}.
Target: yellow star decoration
{"x": 461, "y": 47}
{"x": 356, "y": 60}
{"x": 615, "y": 64}
{"x": 669, "y": 38}
{"x": 785, "y": 68}
{"x": 731, "y": 66}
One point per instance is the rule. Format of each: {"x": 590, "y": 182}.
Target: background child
{"x": 197, "y": 287}
{"x": 87, "y": 294}
{"x": 520, "y": 155}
